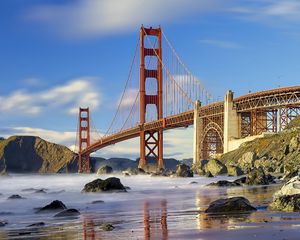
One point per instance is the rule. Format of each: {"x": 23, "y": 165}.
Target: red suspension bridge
{"x": 161, "y": 93}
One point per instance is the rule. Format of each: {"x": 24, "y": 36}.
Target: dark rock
{"x": 209, "y": 175}
{"x": 193, "y": 182}
{"x": 258, "y": 177}
{"x": 72, "y": 212}
{"x": 2, "y": 223}
{"x": 287, "y": 203}
{"x": 40, "y": 191}
{"x": 38, "y": 224}
{"x": 230, "y": 205}
{"x": 240, "y": 181}
{"x": 105, "y": 170}
{"x": 224, "y": 183}
{"x": 109, "y": 184}
{"x": 107, "y": 227}
{"x": 34, "y": 189}
{"x": 183, "y": 170}
{"x": 97, "y": 201}
{"x": 53, "y": 206}
{"x": 127, "y": 188}
{"x": 15, "y": 196}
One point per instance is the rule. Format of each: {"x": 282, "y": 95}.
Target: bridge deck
{"x": 281, "y": 97}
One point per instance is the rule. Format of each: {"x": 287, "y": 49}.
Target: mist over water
{"x": 154, "y": 208}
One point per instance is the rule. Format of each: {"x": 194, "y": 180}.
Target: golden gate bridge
{"x": 161, "y": 93}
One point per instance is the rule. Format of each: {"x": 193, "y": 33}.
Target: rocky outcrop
{"x": 107, "y": 185}
{"x": 230, "y": 205}
{"x": 107, "y": 227}
{"x": 287, "y": 203}
{"x": 275, "y": 153}
{"x": 215, "y": 167}
{"x": 234, "y": 171}
{"x": 105, "y": 170}
{"x": 183, "y": 170}
{"x": 30, "y": 154}
{"x": 289, "y": 188}
{"x": 224, "y": 183}
{"x": 258, "y": 177}
{"x": 199, "y": 168}
{"x": 288, "y": 197}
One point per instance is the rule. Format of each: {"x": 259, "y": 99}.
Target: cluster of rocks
{"x": 215, "y": 167}
{"x": 60, "y": 207}
{"x": 274, "y": 153}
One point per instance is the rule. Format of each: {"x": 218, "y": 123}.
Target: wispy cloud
{"x": 77, "y": 92}
{"x": 82, "y": 18}
{"x": 220, "y": 43}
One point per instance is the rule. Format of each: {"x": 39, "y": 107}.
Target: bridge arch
{"x": 211, "y": 140}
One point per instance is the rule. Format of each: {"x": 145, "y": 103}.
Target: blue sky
{"x": 58, "y": 55}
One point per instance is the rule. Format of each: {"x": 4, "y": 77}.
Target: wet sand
{"x": 154, "y": 208}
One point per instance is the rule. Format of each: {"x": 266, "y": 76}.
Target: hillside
{"x": 20, "y": 154}
{"x": 276, "y": 153}
{"x": 29, "y": 154}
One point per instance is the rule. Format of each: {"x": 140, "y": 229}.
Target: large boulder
{"x": 257, "y": 176}
{"x": 109, "y": 184}
{"x": 230, "y": 205}
{"x": 289, "y": 188}
{"x": 53, "y": 206}
{"x": 246, "y": 162}
{"x": 294, "y": 144}
{"x": 104, "y": 170}
{"x": 215, "y": 167}
{"x": 224, "y": 183}
{"x": 199, "y": 167}
{"x": 183, "y": 170}
{"x": 286, "y": 203}
{"x": 234, "y": 171}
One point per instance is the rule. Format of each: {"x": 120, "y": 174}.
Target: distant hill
{"x": 30, "y": 154}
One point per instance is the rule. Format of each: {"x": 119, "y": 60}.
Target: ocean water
{"x": 154, "y": 208}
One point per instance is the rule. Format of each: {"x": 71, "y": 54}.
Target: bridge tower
{"x": 84, "y": 140}
{"x": 151, "y": 142}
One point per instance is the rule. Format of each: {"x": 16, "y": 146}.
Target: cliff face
{"x": 29, "y": 154}
{"x": 276, "y": 153}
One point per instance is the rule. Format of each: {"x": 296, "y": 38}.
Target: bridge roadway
{"x": 269, "y": 99}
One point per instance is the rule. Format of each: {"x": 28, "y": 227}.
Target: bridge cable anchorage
{"x": 160, "y": 60}
{"x": 207, "y": 94}
{"x": 124, "y": 90}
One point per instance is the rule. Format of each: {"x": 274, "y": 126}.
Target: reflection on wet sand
{"x": 155, "y": 220}
{"x": 258, "y": 196}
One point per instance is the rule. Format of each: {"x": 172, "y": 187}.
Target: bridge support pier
{"x": 231, "y": 121}
{"x": 198, "y": 125}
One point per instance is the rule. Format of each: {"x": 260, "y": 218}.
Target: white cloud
{"x": 76, "y": 93}
{"x": 129, "y": 98}
{"x": 81, "y": 18}
{"x": 220, "y": 43}
{"x": 89, "y": 18}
